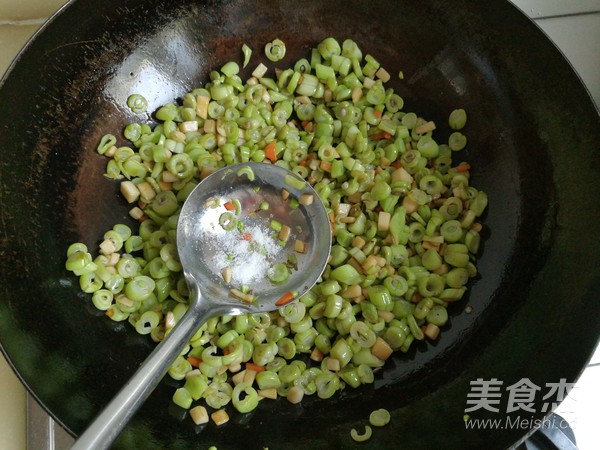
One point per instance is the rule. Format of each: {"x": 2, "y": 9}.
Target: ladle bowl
{"x": 226, "y": 224}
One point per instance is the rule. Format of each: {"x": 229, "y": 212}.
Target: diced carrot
{"x": 416, "y": 298}
{"x": 378, "y": 113}
{"x": 255, "y": 367}
{"x": 380, "y": 135}
{"x": 195, "y": 362}
{"x": 247, "y": 236}
{"x": 397, "y": 164}
{"x": 229, "y": 206}
{"x": 271, "y": 151}
{"x": 463, "y": 167}
{"x": 308, "y": 126}
{"x": 285, "y": 299}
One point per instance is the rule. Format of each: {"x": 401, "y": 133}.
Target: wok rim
{"x": 62, "y": 11}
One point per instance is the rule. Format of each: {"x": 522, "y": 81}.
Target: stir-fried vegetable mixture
{"x": 405, "y": 221}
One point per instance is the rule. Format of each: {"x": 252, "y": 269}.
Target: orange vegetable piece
{"x": 285, "y": 299}
{"x": 255, "y": 367}
{"x": 271, "y": 151}
{"x": 381, "y": 135}
{"x": 195, "y": 362}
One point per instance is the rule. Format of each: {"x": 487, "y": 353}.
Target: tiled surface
{"x": 580, "y": 408}
{"x": 574, "y": 25}
{"x": 12, "y": 418}
{"x": 12, "y": 39}
{"x": 19, "y": 10}
{"x": 18, "y": 21}
{"x": 579, "y": 39}
{"x": 547, "y": 8}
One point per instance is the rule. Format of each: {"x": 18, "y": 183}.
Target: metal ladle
{"x": 204, "y": 247}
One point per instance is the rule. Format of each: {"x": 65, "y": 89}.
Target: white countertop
{"x": 573, "y": 25}
{"x": 18, "y": 21}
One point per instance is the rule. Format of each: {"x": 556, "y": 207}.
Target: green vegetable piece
{"x": 247, "y": 52}
{"x": 244, "y": 398}
{"x": 457, "y": 119}
{"x": 346, "y": 274}
{"x": 278, "y": 273}
{"x": 137, "y": 103}
{"x": 275, "y": 50}
{"x": 182, "y": 398}
{"x": 361, "y": 437}
{"x": 228, "y": 221}
{"x": 165, "y": 203}
{"x": 379, "y": 417}
{"x": 457, "y": 141}
{"x": 329, "y": 47}
{"x": 294, "y": 181}
{"x": 107, "y": 141}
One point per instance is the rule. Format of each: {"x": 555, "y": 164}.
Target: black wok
{"x": 534, "y": 136}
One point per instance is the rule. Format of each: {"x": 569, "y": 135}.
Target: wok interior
{"x": 531, "y": 135}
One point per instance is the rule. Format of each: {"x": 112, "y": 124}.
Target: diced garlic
{"x": 190, "y": 125}
{"x": 383, "y": 75}
{"x": 295, "y": 395}
{"x": 260, "y": 71}
{"x": 202, "y": 102}
{"x": 147, "y": 192}
{"x": 199, "y": 415}
{"x": 130, "y": 191}
{"x": 136, "y": 213}
{"x": 220, "y": 417}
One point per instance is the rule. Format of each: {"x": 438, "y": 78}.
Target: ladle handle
{"x": 110, "y": 422}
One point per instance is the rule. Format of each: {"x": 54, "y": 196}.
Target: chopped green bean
{"x": 294, "y": 181}
{"x": 182, "y": 398}
{"x": 361, "y": 437}
{"x": 247, "y": 51}
{"x": 247, "y": 402}
{"x": 278, "y": 273}
{"x": 457, "y": 141}
{"x": 437, "y": 315}
{"x": 275, "y": 50}
{"x": 137, "y": 103}
{"x": 228, "y": 221}
{"x": 457, "y": 119}
{"x": 379, "y": 417}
